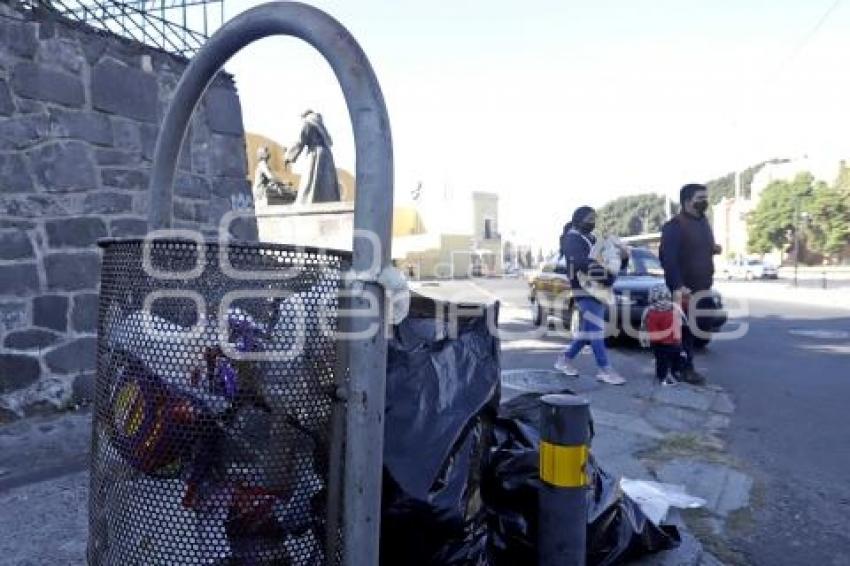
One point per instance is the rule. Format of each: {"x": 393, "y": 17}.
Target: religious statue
{"x": 266, "y": 184}
{"x": 319, "y": 183}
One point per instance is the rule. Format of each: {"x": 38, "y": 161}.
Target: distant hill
{"x": 631, "y": 215}
{"x": 725, "y": 186}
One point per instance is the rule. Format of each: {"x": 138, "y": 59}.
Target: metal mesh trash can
{"x": 216, "y": 381}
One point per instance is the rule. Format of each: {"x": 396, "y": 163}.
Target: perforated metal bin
{"x": 216, "y": 380}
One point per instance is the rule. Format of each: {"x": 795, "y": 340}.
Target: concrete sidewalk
{"x": 785, "y": 292}
{"x": 667, "y": 434}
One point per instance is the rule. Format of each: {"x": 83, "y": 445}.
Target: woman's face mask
{"x": 588, "y": 223}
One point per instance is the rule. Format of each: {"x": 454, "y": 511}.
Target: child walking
{"x": 661, "y": 327}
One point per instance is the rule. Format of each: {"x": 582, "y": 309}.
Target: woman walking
{"x": 591, "y": 283}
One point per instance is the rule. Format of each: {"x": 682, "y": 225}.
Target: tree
{"x": 828, "y": 232}
{"x": 842, "y": 183}
{"x": 631, "y": 215}
{"x": 776, "y": 215}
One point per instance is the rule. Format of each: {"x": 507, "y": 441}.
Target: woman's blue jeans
{"x": 591, "y": 331}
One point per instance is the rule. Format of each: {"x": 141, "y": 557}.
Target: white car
{"x": 749, "y": 269}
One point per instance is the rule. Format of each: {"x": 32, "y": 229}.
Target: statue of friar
{"x": 319, "y": 183}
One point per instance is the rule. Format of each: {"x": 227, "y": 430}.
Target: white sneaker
{"x": 562, "y": 365}
{"x": 610, "y": 376}
{"x": 668, "y": 381}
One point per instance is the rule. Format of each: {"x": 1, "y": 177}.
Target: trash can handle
{"x": 372, "y": 223}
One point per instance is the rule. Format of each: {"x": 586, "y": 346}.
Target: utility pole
{"x": 796, "y": 238}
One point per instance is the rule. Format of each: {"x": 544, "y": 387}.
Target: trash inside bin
{"x": 212, "y": 424}
{"x": 618, "y": 530}
{"x": 443, "y": 383}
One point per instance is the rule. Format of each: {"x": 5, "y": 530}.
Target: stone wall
{"x": 79, "y": 116}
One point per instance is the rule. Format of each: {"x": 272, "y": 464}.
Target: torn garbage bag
{"x": 442, "y": 396}
{"x": 618, "y": 530}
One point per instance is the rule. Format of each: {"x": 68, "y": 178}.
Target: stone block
{"x": 13, "y": 316}
{"x": 47, "y": 29}
{"x": 18, "y": 371}
{"x": 82, "y": 391}
{"x": 76, "y": 356}
{"x": 19, "y": 224}
{"x": 14, "y": 175}
{"x": 140, "y": 203}
{"x": 224, "y": 113}
{"x": 191, "y": 211}
{"x": 39, "y": 83}
{"x": 125, "y": 52}
{"x": 50, "y": 311}
{"x": 93, "y": 46}
{"x": 62, "y": 53}
{"x": 218, "y": 208}
{"x": 149, "y": 133}
{"x": 33, "y": 206}
{"x": 31, "y": 339}
{"x": 75, "y": 232}
{"x": 84, "y": 313}
{"x": 15, "y": 244}
{"x": 124, "y": 91}
{"x": 227, "y": 156}
{"x": 107, "y": 203}
{"x": 20, "y": 279}
{"x": 72, "y": 271}
{"x": 128, "y": 179}
{"x": 30, "y": 107}
{"x": 200, "y": 153}
{"x": 128, "y": 227}
{"x": 115, "y": 157}
{"x": 64, "y": 167}
{"x": 128, "y": 135}
{"x": 226, "y": 187}
{"x": 22, "y": 132}
{"x": 18, "y": 38}
{"x": 92, "y": 127}
{"x": 192, "y": 186}
{"x": 7, "y": 105}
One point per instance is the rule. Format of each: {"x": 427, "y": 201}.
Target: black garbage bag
{"x": 443, "y": 386}
{"x": 618, "y": 530}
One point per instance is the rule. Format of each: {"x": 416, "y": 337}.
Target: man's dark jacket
{"x": 687, "y": 252}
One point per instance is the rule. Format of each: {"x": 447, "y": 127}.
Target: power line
{"x": 806, "y": 39}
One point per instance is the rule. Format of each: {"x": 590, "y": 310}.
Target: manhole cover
{"x": 820, "y": 333}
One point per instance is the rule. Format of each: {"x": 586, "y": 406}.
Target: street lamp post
{"x": 798, "y": 218}
{"x": 796, "y": 239}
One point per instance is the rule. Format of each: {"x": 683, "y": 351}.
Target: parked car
{"x": 550, "y": 295}
{"x": 749, "y": 269}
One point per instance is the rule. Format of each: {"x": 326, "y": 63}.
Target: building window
{"x": 489, "y": 229}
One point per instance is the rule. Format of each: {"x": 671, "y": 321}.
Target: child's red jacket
{"x": 664, "y": 327}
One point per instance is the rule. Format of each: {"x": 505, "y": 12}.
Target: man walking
{"x": 687, "y": 250}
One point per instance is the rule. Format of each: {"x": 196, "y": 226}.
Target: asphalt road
{"x": 789, "y": 375}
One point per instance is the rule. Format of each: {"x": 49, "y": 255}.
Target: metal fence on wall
{"x": 177, "y": 26}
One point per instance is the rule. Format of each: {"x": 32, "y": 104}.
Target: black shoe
{"x": 693, "y": 377}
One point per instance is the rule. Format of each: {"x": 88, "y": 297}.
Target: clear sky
{"x": 553, "y": 104}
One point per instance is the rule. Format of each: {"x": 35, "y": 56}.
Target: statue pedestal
{"x": 323, "y": 225}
